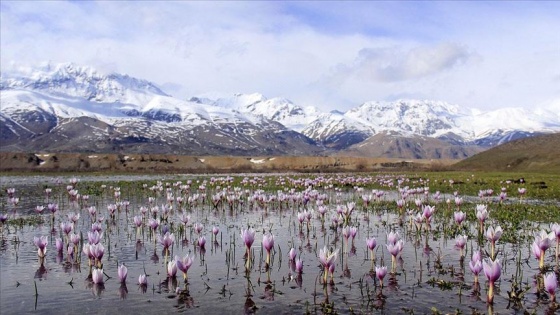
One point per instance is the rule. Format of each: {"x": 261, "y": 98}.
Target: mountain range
{"x": 71, "y": 108}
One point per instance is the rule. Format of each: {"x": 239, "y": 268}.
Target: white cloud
{"x": 327, "y": 54}
{"x": 393, "y": 64}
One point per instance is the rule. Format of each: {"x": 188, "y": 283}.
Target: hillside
{"x": 539, "y": 153}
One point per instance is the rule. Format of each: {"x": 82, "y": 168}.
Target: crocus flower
{"x": 371, "y": 244}
{"x": 428, "y": 211}
{"x": 380, "y": 273}
{"x": 543, "y": 241}
{"x": 481, "y": 215}
{"x": 215, "y": 230}
{"x": 41, "y": 243}
{"x": 97, "y": 251}
{"x": 299, "y": 266}
{"x": 460, "y": 242}
{"x": 353, "y": 231}
{"x": 395, "y": 250}
{"x": 535, "y": 249}
{"x": 66, "y": 227}
{"x": 550, "y": 285}
{"x": 248, "y": 237}
{"x": 556, "y": 230}
{"x": 202, "y": 241}
{"x": 59, "y": 244}
{"x": 97, "y": 276}
{"x": 39, "y": 209}
{"x": 393, "y": 237}
{"x": 292, "y": 254}
{"x": 96, "y": 226}
{"x": 476, "y": 268}
{"x": 493, "y": 235}
{"x": 53, "y": 207}
{"x": 3, "y": 217}
{"x": 184, "y": 264}
{"x": 327, "y": 258}
{"x": 153, "y": 223}
{"x": 92, "y": 211}
{"x": 74, "y": 238}
{"x": 198, "y": 227}
{"x": 166, "y": 241}
{"x": 268, "y": 244}
{"x": 137, "y": 221}
{"x": 459, "y": 217}
{"x": 122, "y": 272}
{"x": 493, "y": 271}
{"x": 142, "y": 280}
{"x": 172, "y": 268}
{"x": 94, "y": 237}
{"x": 73, "y": 217}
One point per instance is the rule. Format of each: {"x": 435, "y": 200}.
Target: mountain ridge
{"x": 36, "y": 101}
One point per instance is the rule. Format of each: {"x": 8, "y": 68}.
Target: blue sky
{"x": 334, "y": 55}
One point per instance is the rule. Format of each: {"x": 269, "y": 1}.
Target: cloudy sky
{"x": 334, "y": 55}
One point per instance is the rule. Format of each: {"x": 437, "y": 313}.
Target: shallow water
{"x": 429, "y": 272}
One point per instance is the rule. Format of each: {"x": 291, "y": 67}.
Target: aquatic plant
{"x": 268, "y": 244}
{"x": 184, "y": 264}
{"x": 493, "y": 271}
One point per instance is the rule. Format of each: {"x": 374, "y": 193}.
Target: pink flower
{"x": 66, "y": 227}
{"x": 59, "y": 244}
{"x": 268, "y": 242}
{"x": 94, "y": 237}
{"x": 166, "y": 240}
{"x": 172, "y": 268}
{"x": 248, "y": 237}
{"x": 299, "y": 266}
{"x": 459, "y": 217}
{"x": 393, "y": 237}
{"x": 481, "y": 212}
{"x": 475, "y": 266}
{"x": 184, "y": 264}
{"x": 122, "y": 272}
{"x": 41, "y": 243}
{"x": 550, "y": 284}
{"x": 380, "y": 273}
{"x": 292, "y": 254}
{"x": 460, "y": 241}
{"x": 138, "y": 220}
{"x": 492, "y": 269}
{"x": 142, "y": 280}
{"x": 97, "y": 276}
{"x": 395, "y": 249}
{"x": 215, "y": 230}
{"x": 371, "y": 243}
{"x": 153, "y": 223}
{"x": 201, "y": 241}
{"x": 493, "y": 235}
{"x": 428, "y": 211}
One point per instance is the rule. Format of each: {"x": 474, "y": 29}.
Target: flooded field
{"x": 284, "y": 244}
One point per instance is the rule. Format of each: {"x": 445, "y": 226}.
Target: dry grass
{"x": 150, "y": 163}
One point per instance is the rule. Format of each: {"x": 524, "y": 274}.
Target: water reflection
{"x": 123, "y": 291}
{"x": 41, "y": 273}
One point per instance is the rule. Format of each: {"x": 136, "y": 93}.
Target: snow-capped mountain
{"x": 277, "y": 109}
{"x": 67, "y": 107}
